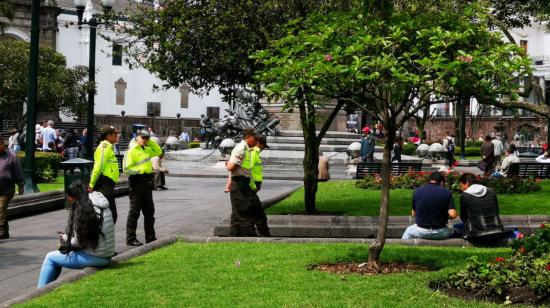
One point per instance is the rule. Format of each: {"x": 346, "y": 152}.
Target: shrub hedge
{"x": 413, "y": 180}
{"x": 194, "y": 144}
{"x": 47, "y": 165}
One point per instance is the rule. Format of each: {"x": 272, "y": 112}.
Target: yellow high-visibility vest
{"x": 138, "y": 159}
{"x": 105, "y": 163}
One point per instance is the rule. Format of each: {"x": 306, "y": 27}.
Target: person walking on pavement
{"x": 367, "y": 145}
{"x": 137, "y": 164}
{"x": 243, "y": 197}
{"x": 487, "y": 156}
{"x": 105, "y": 173}
{"x": 257, "y": 174}
{"x": 11, "y": 173}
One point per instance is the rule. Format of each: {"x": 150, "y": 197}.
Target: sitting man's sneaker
{"x": 4, "y": 236}
{"x": 134, "y": 243}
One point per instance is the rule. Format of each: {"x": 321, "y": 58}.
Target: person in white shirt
{"x": 507, "y": 162}
{"x": 49, "y": 137}
{"x": 13, "y": 145}
{"x": 544, "y": 158}
{"x": 184, "y": 136}
{"x": 499, "y": 148}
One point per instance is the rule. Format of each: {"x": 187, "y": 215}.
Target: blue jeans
{"x": 415, "y": 231}
{"x": 55, "y": 261}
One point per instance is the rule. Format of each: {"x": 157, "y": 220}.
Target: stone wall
{"x": 291, "y": 120}
{"x": 436, "y": 128}
{"x": 22, "y": 22}
{"x": 161, "y": 126}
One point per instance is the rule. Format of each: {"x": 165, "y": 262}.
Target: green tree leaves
{"x": 59, "y": 88}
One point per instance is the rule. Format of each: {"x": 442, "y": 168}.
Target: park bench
{"x": 364, "y": 169}
{"x": 523, "y": 170}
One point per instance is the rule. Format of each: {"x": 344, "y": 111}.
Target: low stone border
{"x": 278, "y": 198}
{"x": 325, "y": 226}
{"x": 79, "y": 274}
{"x": 41, "y": 202}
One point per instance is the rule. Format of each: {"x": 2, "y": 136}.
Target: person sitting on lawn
{"x": 89, "y": 239}
{"x": 478, "y": 209}
{"x": 432, "y": 206}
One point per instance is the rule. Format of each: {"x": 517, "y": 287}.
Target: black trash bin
{"x": 76, "y": 169}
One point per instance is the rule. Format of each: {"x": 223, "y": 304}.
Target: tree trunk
{"x": 376, "y": 248}
{"x": 311, "y": 162}
{"x": 311, "y": 154}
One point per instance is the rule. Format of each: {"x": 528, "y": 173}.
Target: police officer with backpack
{"x": 105, "y": 173}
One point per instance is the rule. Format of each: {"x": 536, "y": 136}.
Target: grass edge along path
{"x": 342, "y": 197}
{"x": 265, "y": 275}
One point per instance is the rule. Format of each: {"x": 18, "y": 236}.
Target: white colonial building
{"x": 124, "y": 91}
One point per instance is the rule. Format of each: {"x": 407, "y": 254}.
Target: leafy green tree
{"x": 208, "y": 43}
{"x": 6, "y": 10}
{"x": 387, "y": 66}
{"x": 59, "y": 88}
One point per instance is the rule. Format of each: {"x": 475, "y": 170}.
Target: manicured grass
{"x": 56, "y": 185}
{"x": 269, "y": 275}
{"x": 342, "y": 197}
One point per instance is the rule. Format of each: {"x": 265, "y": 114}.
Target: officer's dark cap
{"x": 248, "y": 132}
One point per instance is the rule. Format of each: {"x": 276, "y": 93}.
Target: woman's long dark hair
{"x": 83, "y": 219}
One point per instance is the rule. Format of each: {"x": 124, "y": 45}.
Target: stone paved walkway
{"x": 191, "y": 206}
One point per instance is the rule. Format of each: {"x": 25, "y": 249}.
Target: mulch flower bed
{"x": 365, "y": 269}
{"x": 517, "y": 295}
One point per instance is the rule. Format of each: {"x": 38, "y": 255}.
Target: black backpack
{"x": 450, "y": 146}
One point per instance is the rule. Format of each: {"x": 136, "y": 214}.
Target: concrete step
{"x": 329, "y": 134}
{"x": 360, "y": 226}
{"x": 300, "y": 140}
{"x": 301, "y": 147}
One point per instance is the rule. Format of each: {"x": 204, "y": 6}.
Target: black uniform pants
{"x": 141, "y": 200}
{"x": 106, "y": 186}
{"x": 247, "y": 212}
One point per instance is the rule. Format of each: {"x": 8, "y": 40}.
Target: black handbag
{"x": 483, "y": 165}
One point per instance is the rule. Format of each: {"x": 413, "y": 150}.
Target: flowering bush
{"x": 412, "y": 180}
{"x": 528, "y": 267}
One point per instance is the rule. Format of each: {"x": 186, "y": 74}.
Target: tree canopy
{"x": 59, "y": 88}
{"x": 207, "y": 43}
{"x": 389, "y": 66}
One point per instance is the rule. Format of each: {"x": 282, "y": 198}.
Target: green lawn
{"x": 56, "y": 185}
{"x": 269, "y": 275}
{"x": 342, "y": 197}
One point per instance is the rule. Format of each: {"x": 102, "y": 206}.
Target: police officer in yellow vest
{"x": 257, "y": 170}
{"x": 105, "y": 172}
{"x": 137, "y": 164}
{"x": 245, "y": 204}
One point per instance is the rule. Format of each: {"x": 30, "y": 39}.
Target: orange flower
{"x": 500, "y": 259}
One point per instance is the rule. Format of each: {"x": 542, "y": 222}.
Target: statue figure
{"x": 247, "y": 111}
{"x": 206, "y": 130}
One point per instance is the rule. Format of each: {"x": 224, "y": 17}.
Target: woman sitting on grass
{"x": 89, "y": 239}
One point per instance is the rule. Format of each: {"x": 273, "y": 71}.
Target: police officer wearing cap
{"x": 105, "y": 172}
{"x": 257, "y": 174}
{"x": 137, "y": 164}
{"x": 245, "y": 204}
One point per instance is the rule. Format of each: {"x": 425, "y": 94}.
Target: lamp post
{"x": 94, "y": 22}
{"x": 30, "y": 186}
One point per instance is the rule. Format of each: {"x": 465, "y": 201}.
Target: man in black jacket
{"x": 478, "y": 208}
